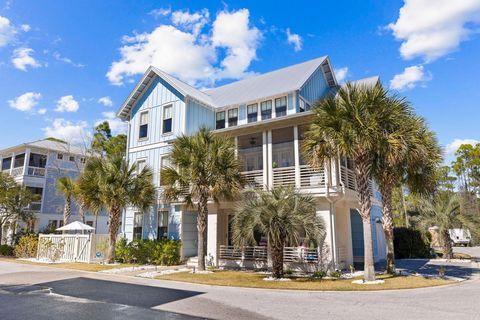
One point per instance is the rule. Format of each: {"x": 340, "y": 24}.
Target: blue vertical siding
{"x": 316, "y": 87}
{"x": 290, "y": 104}
{"x": 158, "y": 94}
{"x": 198, "y": 115}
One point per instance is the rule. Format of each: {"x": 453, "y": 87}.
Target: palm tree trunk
{"x": 81, "y": 212}
{"x": 388, "y": 226}
{"x": 277, "y": 261}
{"x": 113, "y": 226}
{"x": 447, "y": 245}
{"x": 202, "y": 232}
{"x": 67, "y": 211}
{"x": 362, "y": 174}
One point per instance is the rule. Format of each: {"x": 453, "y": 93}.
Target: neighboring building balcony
{"x": 30, "y": 171}
{"x": 35, "y": 206}
{"x": 25, "y": 164}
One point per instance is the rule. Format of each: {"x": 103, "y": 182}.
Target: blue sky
{"x": 58, "y": 59}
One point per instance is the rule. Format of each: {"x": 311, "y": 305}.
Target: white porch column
{"x": 212, "y": 243}
{"x": 265, "y": 159}
{"x": 269, "y": 159}
{"x": 26, "y": 161}
{"x": 236, "y": 146}
{"x": 296, "y": 152}
{"x": 12, "y": 163}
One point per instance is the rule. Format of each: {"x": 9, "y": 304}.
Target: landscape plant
{"x": 203, "y": 168}
{"x": 26, "y": 247}
{"x": 283, "y": 215}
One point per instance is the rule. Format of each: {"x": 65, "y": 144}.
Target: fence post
{"x": 75, "y": 248}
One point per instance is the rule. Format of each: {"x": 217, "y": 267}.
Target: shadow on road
{"x": 116, "y": 292}
{"x": 431, "y": 267}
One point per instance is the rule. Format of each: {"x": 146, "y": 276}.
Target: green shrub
{"x": 161, "y": 252}
{"x": 335, "y": 274}
{"x": 319, "y": 274}
{"x": 26, "y": 247}
{"x": 6, "y": 250}
{"x": 409, "y": 243}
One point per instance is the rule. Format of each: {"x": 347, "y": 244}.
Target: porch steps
{"x": 192, "y": 262}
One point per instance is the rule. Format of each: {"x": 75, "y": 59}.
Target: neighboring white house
{"x": 37, "y": 165}
{"x": 267, "y": 115}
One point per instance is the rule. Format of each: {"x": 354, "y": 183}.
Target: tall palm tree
{"x": 66, "y": 186}
{"x": 411, "y": 160}
{"x": 203, "y": 168}
{"x": 79, "y": 197}
{"x": 445, "y": 213}
{"x": 282, "y": 214}
{"x": 354, "y": 124}
{"x": 112, "y": 184}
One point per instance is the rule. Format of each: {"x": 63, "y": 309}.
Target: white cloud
{"x": 341, "y": 74}
{"x": 42, "y": 111}
{"x": 22, "y": 58}
{"x": 191, "y": 21}
{"x": 67, "y": 104}
{"x": 295, "y": 40}
{"x": 72, "y": 132}
{"x": 66, "y": 60}
{"x": 161, "y": 12}
{"x": 188, "y": 53}
{"x": 26, "y": 101}
{"x": 25, "y": 27}
{"x": 431, "y": 29}
{"x": 410, "y": 77}
{"x": 116, "y": 125}
{"x": 452, "y": 147}
{"x": 7, "y": 32}
{"x": 106, "y": 101}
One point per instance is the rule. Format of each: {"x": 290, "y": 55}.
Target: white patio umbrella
{"x": 76, "y": 226}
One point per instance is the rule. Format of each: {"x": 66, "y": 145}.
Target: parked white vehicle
{"x": 460, "y": 236}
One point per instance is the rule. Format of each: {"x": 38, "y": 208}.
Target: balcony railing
{"x": 348, "y": 178}
{"x": 35, "y": 206}
{"x": 259, "y": 253}
{"x": 36, "y": 172}
{"x": 17, "y": 171}
{"x": 254, "y": 178}
{"x": 311, "y": 178}
{"x": 284, "y": 176}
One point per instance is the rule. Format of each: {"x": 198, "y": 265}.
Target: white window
{"x": 137, "y": 225}
{"x": 83, "y": 160}
{"x": 164, "y": 163}
{"x": 167, "y": 119}
{"x": 220, "y": 120}
{"x": 71, "y": 158}
{"x": 266, "y": 108}
{"x": 162, "y": 219}
{"x": 252, "y": 112}
{"x": 143, "y": 129}
{"x": 281, "y": 107}
{"x": 141, "y": 164}
{"x": 59, "y": 156}
{"x": 232, "y": 117}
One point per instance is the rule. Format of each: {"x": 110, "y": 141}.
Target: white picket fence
{"x": 72, "y": 247}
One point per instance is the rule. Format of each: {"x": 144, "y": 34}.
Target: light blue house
{"x": 37, "y": 165}
{"x": 266, "y": 115}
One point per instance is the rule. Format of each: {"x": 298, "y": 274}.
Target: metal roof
{"x": 256, "y": 87}
{"x": 265, "y": 85}
{"x": 47, "y": 144}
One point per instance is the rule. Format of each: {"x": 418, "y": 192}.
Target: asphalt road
{"x": 33, "y": 292}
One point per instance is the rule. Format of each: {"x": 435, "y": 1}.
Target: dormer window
{"x": 281, "y": 107}
{"x": 252, "y": 113}
{"x": 232, "y": 117}
{"x": 266, "y": 108}
{"x": 143, "y": 128}
{"x": 167, "y": 119}
{"x": 59, "y": 156}
{"x": 220, "y": 120}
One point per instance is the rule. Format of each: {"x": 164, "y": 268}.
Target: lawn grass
{"x": 93, "y": 267}
{"x": 255, "y": 280}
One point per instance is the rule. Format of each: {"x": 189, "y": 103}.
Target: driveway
{"x": 28, "y": 292}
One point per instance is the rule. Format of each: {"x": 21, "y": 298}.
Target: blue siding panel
{"x": 316, "y": 87}
{"x": 197, "y": 116}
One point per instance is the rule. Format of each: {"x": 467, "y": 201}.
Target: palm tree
{"x": 66, "y": 186}
{"x": 354, "y": 124}
{"x": 281, "y": 214}
{"x": 79, "y": 197}
{"x": 203, "y": 168}
{"x": 111, "y": 183}
{"x": 445, "y": 212}
{"x": 410, "y": 160}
